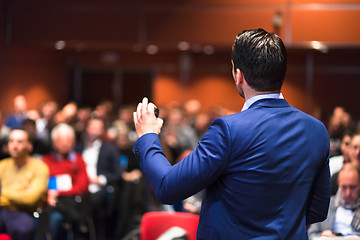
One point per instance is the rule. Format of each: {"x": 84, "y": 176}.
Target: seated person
{"x": 132, "y": 191}
{"x": 24, "y": 183}
{"x": 344, "y": 210}
{"x": 103, "y": 170}
{"x": 68, "y": 183}
{"x": 40, "y": 147}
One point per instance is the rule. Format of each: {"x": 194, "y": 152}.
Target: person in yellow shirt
{"x": 24, "y": 182}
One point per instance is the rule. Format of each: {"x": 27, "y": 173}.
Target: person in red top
{"x": 68, "y": 184}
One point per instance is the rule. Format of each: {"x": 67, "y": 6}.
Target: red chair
{"x": 4, "y": 236}
{"x": 153, "y": 224}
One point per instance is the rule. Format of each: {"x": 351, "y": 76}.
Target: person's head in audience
{"x": 63, "y": 138}
{"x": 20, "y": 103}
{"x": 29, "y": 125}
{"x": 122, "y": 140}
{"x": 176, "y": 116}
{"x": 103, "y": 110}
{"x": 67, "y": 113}
{"x": 192, "y": 108}
{"x": 349, "y": 182}
{"x": 19, "y": 145}
{"x": 95, "y": 129}
{"x": 354, "y": 149}
{"x": 345, "y": 145}
{"x": 48, "y": 110}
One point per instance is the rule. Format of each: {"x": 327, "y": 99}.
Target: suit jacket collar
{"x": 270, "y": 103}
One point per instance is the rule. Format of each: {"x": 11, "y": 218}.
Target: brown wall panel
{"x": 215, "y": 89}
{"x": 41, "y": 23}
{"x": 213, "y": 26}
{"x": 39, "y": 75}
{"x": 167, "y": 88}
{"x": 221, "y": 2}
{"x": 330, "y": 94}
{"x": 333, "y": 26}
{"x": 324, "y": 1}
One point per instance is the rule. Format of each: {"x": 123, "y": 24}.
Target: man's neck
{"x": 20, "y": 162}
{"x": 252, "y": 93}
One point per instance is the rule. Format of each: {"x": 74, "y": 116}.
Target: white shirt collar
{"x": 250, "y": 101}
{"x": 96, "y": 144}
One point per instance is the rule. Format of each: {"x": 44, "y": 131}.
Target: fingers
{"x": 145, "y": 119}
{"x": 151, "y": 107}
{"x": 144, "y": 107}
{"x": 135, "y": 118}
{"x": 138, "y": 111}
{"x": 160, "y": 122}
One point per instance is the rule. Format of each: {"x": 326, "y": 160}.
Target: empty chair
{"x": 155, "y": 224}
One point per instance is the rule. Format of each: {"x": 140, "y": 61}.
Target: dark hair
{"x": 262, "y": 58}
{"x": 28, "y": 121}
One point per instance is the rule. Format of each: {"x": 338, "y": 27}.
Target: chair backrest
{"x": 154, "y": 224}
{"x": 4, "y": 236}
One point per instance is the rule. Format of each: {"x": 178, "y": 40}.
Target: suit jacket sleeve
{"x": 319, "y": 198}
{"x": 196, "y": 171}
{"x": 316, "y": 229}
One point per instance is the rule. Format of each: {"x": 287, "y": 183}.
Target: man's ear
{"x": 238, "y": 76}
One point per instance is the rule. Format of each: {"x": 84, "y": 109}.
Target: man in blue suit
{"x": 265, "y": 169}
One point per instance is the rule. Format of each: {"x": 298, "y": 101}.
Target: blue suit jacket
{"x": 265, "y": 171}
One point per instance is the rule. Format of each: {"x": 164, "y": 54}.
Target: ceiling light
{"x": 152, "y": 49}
{"x": 183, "y": 46}
{"x": 319, "y": 46}
{"x": 209, "y": 50}
{"x": 60, "y": 45}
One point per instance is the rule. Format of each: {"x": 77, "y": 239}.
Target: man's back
{"x": 263, "y": 191}
{"x": 265, "y": 171}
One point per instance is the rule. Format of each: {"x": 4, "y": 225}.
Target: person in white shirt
{"x": 336, "y": 162}
{"x": 103, "y": 169}
{"x": 344, "y": 211}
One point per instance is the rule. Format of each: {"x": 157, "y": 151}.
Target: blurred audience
{"x": 104, "y": 176}
{"x": 46, "y": 122}
{"x": 178, "y": 135}
{"x": 20, "y": 113}
{"x": 336, "y": 162}
{"x": 132, "y": 196}
{"x": 67, "y": 114}
{"x": 24, "y": 183}
{"x": 68, "y": 185}
{"x": 192, "y": 108}
{"x": 103, "y": 171}
{"x": 83, "y": 115}
{"x": 339, "y": 121}
{"x": 344, "y": 210}
{"x": 40, "y": 147}
{"x": 14, "y": 120}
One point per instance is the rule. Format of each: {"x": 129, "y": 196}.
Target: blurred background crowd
{"x": 113, "y": 191}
